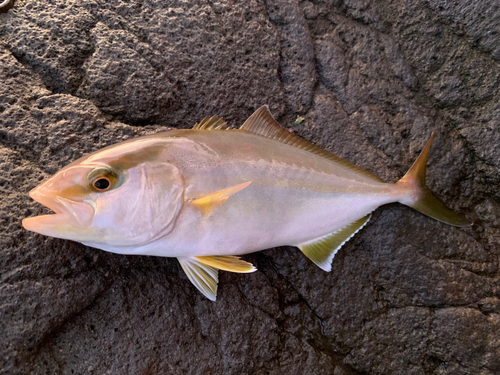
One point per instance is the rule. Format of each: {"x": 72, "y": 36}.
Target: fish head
{"x": 119, "y": 199}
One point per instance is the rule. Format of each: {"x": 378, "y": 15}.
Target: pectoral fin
{"x": 322, "y": 250}
{"x": 203, "y": 271}
{"x": 209, "y": 203}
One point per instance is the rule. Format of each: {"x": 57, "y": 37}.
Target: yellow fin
{"x": 227, "y": 263}
{"x": 211, "y": 123}
{"x": 203, "y": 271}
{"x": 426, "y": 202}
{"x": 203, "y": 277}
{"x": 322, "y": 250}
{"x": 261, "y": 122}
{"x": 213, "y": 201}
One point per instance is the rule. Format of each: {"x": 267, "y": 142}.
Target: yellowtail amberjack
{"x": 210, "y": 193}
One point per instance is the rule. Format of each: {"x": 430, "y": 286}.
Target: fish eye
{"x": 102, "y": 184}
{"x": 102, "y": 179}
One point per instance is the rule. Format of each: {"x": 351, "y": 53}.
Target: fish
{"x": 210, "y": 194}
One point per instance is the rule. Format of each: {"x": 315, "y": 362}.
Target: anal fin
{"x": 203, "y": 271}
{"x": 322, "y": 250}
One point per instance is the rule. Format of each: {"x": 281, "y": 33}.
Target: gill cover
{"x": 142, "y": 209}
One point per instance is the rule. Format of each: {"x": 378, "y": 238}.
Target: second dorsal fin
{"x": 211, "y": 123}
{"x": 261, "y": 122}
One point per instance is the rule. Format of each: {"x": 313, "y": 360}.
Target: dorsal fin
{"x": 211, "y": 123}
{"x": 261, "y": 122}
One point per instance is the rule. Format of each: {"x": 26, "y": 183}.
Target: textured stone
{"x": 478, "y": 21}
{"x": 372, "y": 79}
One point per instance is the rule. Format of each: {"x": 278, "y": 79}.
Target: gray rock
{"x": 407, "y": 295}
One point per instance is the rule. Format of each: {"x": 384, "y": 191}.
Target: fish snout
{"x": 74, "y": 212}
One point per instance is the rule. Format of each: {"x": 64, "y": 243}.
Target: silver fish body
{"x": 207, "y": 194}
{"x": 293, "y": 196}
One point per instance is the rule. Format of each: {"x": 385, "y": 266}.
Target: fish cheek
{"x": 144, "y": 208}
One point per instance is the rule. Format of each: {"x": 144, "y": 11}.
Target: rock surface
{"x": 372, "y": 79}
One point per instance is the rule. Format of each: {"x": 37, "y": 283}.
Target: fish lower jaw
{"x": 55, "y": 225}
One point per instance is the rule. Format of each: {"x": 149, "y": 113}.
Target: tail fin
{"x": 425, "y": 201}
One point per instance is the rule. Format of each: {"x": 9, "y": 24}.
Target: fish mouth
{"x": 68, "y": 215}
